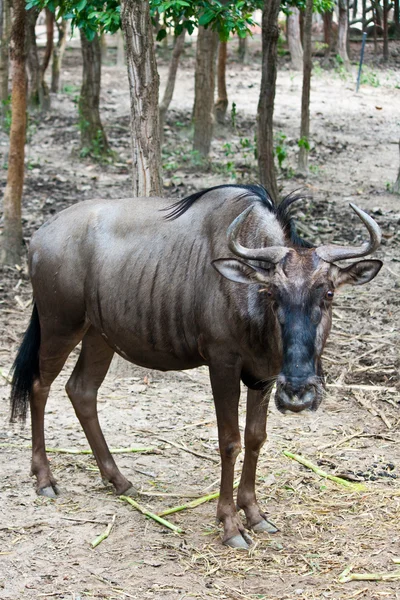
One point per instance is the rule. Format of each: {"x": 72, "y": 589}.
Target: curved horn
{"x": 330, "y": 253}
{"x": 272, "y": 254}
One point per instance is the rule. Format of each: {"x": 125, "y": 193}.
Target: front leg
{"x": 254, "y": 439}
{"x": 225, "y": 383}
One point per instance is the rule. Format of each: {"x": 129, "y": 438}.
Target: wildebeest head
{"x": 300, "y": 284}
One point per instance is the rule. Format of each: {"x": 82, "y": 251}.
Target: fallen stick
{"x": 167, "y": 494}
{"x": 28, "y": 525}
{"x": 199, "y": 454}
{"x": 193, "y": 503}
{"x": 359, "y": 434}
{"x": 376, "y": 412}
{"x": 356, "y": 487}
{"x": 347, "y": 576}
{"x": 151, "y": 515}
{"x": 206, "y": 422}
{"x": 84, "y": 520}
{"x": 134, "y": 449}
{"x": 381, "y": 388}
{"x": 76, "y": 451}
{"x": 103, "y": 536}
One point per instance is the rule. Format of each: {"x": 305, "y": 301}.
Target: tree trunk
{"x": 35, "y": 91}
{"x": 5, "y": 24}
{"x": 243, "y": 49}
{"x": 375, "y": 17}
{"x": 103, "y": 47}
{"x": 58, "y": 53}
{"x": 38, "y": 92}
{"x": 294, "y": 41}
{"x": 204, "y": 84}
{"x": 305, "y": 98}
{"x": 11, "y": 248}
{"x": 397, "y": 19}
{"x": 265, "y": 135}
{"x": 301, "y": 18}
{"x": 385, "y": 31}
{"x": 49, "y": 40}
{"x": 169, "y": 89}
{"x": 328, "y": 19}
{"x": 221, "y": 104}
{"x": 120, "y": 49}
{"x": 143, "y": 87}
{"x": 364, "y": 15}
{"x": 93, "y": 137}
{"x": 396, "y": 185}
{"x": 342, "y": 35}
{"x": 378, "y": 12}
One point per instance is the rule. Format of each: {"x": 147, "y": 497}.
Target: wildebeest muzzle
{"x": 297, "y": 395}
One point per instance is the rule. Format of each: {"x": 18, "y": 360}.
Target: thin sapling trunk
{"x": 93, "y": 137}
{"x": 49, "y": 40}
{"x": 328, "y": 20}
{"x": 243, "y": 49}
{"x": 203, "y": 117}
{"x": 11, "y": 241}
{"x": 5, "y": 25}
{"x": 294, "y": 41}
{"x": 385, "y": 31}
{"x": 304, "y": 142}
{"x": 221, "y": 104}
{"x": 58, "y": 53}
{"x": 143, "y": 88}
{"x": 342, "y": 33}
{"x": 396, "y": 185}
{"x": 169, "y": 88}
{"x": 265, "y": 134}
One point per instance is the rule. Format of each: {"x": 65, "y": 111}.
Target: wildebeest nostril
{"x": 295, "y": 387}
{"x": 295, "y": 395}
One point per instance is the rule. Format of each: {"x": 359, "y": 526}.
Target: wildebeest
{"x": 222, "y": 281}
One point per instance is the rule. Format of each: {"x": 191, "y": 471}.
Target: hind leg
{"x": 54, "y": 351}
{"x": 82, "y": 387}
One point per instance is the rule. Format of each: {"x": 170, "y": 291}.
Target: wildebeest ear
{"x": 239, "y": 271}
{"x": 360, "y": 272}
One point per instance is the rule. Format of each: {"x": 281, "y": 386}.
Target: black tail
{"x": 25, "y": 369}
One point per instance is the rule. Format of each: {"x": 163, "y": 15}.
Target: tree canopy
{"x": 319, "y": 6}
{"x": 100, "y": 16}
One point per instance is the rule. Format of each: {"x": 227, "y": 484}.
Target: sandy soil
{"x": 45, "y": 549}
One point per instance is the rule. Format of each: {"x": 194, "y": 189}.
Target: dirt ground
{"x": 45, "y": 549}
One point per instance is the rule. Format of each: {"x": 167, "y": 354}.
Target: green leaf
{"x": 206, "y": 17}
{"x": 189, "y": 26}
{"x": 161, "y": 35}
{"x": 90, "y": 34}
{"x": 81, "y": 5}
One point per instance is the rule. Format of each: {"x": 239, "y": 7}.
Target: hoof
{"x": 239, "y": 541}
{"x": 127, "y": 491}
{"x": 50, "y": 491}
{"x": 264, "y": 525}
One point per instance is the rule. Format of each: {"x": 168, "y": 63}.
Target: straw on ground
{"x": 356, "y": 487}
{"x": 151, "y": 515}
{"x": 347, "y": 576}
{"x": 103, "y": 536}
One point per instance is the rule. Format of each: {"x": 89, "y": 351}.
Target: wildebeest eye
{"x": 266, "y": 291}
{"x": 329, "y": 294}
